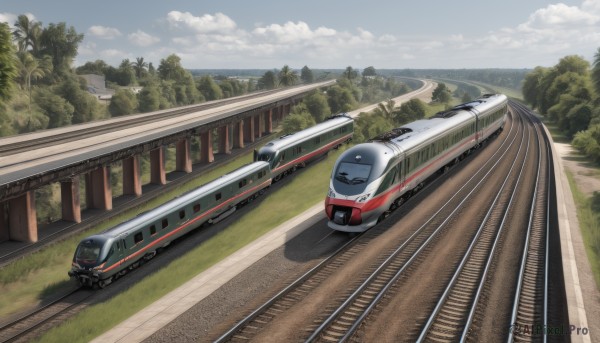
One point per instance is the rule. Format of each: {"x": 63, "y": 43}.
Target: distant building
{"x": 96, "y": 85}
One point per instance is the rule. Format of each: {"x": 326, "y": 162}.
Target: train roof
{"x": 181, "y": 200}
{"x": 285, "y": 140}
{"x": 424, "y": 129}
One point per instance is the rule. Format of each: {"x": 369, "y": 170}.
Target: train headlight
{"x": 331, "y": 193}
{"x": 363, "y": 198}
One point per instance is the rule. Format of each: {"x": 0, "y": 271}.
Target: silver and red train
{"x": 371, "y": 178}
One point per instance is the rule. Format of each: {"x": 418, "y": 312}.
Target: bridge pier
{"x": 183, "y": 159}
{"x": 132, "y": 184}
{"x": 157, "y": 166}
{"x": 224, "y": 147}
{"x": 22, "y": 221}
{"x": 238, "y": 135}
{"x": 269, "y": 121}
{"x": 4, "y": 229}
{"x": 71, "y": 205}
{"x": 98, "y": 189}
{"x": 258, "y": 125}
{"x": 206, "y": 148}
{"x": 249, "y": 129}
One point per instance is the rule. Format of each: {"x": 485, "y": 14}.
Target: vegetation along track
{"x": 345, "y": 316}
{"x": 43, "y": 318}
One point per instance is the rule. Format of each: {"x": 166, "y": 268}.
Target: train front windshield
{"x": 267, "y": 157}
{"x": 88, "y": 251}
{"x": 351, "y": 178}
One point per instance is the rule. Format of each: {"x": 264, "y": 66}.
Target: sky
{"x": 268, "y": 34}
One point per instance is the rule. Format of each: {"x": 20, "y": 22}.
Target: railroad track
{"x": 453, "y": 315}
{"x": 530, "y": 305}
{"x": 349, "y": 313}
{"x": 76, "y": 132}
{"x": 346, "y": 320}
{"x": 46, "y": 316}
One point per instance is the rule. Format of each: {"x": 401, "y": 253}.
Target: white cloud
{"x": 207, "y": 23}
{"x": 112, "y": 53}
{"x": 104, "y": 32}
{"x": 8, "y": 18}
{"x": 11, "y": 18}
{"x": 141, "y": 38}
{"x": 560, "y": 15}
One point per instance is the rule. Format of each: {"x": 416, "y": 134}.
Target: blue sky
{"x": 326, "y": 33}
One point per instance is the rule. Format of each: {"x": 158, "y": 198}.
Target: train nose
{"x": 341, "y": 217}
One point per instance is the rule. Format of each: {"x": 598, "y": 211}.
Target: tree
{"x": 596, "y": 71}
{"x": 32, "y": 68}
{"x": 441, "y": 94}
{"x": 340, "y": 99}
{"x": 409, "y": 111}
{"x": 8, "y": 67}
{"x": 27, "y": 33}
{"x": 287, "y": 77}
{"x": 125, "y": 75}
{"x": 85, "y": 106}
{"x": 98, "y": 67}
{"x": 267, "y": 81}
{"x": 149, "y": 99}
{"x": 297, "y": 121}
{"x": 316, "y": 104}
{"x": 170, "y": 68}
{"x": 350, "y": 73}
{"x": 531, "y": 85}
{"x": 209, "y": 89}
{"x": 306, "y": 75}
{"x": 122, "y": 103}
{"x": 57, "y": 109}
{"x": 60, "y": 43}
{"x": 386, "y": 110}
{"x": 140, "y": 67}
{"x": 369, "y": 71}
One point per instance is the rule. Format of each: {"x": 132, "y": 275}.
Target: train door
{"x": 121, "y": 248}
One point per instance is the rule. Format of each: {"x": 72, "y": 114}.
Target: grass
{"x": 304, "y": 191}
{"x": 34, "y": 277}
{"x": 589, "y": 223}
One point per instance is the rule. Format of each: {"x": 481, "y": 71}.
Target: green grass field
{"x": 32, "y": 279}
{"x": 305, "y": 190}
{"x": 589, "y": 223}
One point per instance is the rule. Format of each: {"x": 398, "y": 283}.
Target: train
{"x": 104, "y": 257}
{"x": 292, "y": 151}
{"x": 371, "y": 179}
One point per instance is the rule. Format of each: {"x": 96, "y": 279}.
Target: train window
{"x": 152, "y": 230}
{"x": 138, "y": 237}
{"x": 181, "y": 214}
{"x": 218, "y": 196}
{"x": 242, "y": 183}
{"x": 318, "y": 140}
{"x": 165, "y": 223}
{"x": 196, "y": 207}
{"x": 283, "y": 156}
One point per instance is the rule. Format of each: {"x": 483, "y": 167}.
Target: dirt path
{"x": 587, "y": 179}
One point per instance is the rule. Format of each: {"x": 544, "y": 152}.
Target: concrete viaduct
{"x": 46, "y": 157}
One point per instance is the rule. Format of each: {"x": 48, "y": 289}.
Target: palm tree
{"x": 287, "y": 77}
{"x": 350, "y": 73}
{"x": 27, "y": 33}
{"x": 387, "y": 110}
{"x": 32, "y": 68}
{"x": 139, "y": 66}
